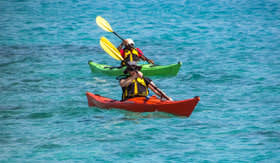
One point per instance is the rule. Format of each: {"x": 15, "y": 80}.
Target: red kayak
{"x": 142, "y": 104}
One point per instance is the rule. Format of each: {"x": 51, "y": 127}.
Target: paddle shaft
{"x": 104, "y": 24}
{"x": 118, "y": 36}
{"x": 157, "y": 89}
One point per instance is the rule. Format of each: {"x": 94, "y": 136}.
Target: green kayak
{"x": 147, "y": 69}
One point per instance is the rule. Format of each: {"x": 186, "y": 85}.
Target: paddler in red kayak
{"x": 136, "y": 85}
{"x": 130, "y": 53}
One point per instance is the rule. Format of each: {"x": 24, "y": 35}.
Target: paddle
{"x": 102, "y": 23}
{"x": 159, "y": 91}
{"x": 109, "y": 48}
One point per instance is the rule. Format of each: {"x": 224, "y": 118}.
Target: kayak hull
{"x": 147, "y": 69}
{"x": 141, "y": 104}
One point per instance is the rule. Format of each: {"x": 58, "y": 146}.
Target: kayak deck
{"x": 147, "y": 69}
{"x": 142, "y": 104}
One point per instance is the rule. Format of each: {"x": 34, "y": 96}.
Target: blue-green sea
{"x": 230, "y": 50}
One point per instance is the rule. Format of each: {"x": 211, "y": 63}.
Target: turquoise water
{"x": 230, "y": 54}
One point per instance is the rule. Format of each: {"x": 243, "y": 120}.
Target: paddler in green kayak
{"x": 136, "y": 85}
{"x": 130, "y": 53}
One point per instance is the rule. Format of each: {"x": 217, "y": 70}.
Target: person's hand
{"x": 134, "y": 75}
{"x": 169, "y": 99}
{"x": 125, "y": 42}
{"x": 139, "y": 74}
{"x": 151, "y": 61}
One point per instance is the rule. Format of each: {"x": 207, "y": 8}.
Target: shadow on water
{"x": 113, "y": 115}
{"x": 127, "y": 115}
{"x": 152, "y": 115}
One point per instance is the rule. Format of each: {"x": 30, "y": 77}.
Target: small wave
{"x": 48, "y": 146}
{"x": 193, "y": 76}
{"x": 269, "y": 133}
{"x": 39, "y": 115}
{"x": 10, "y": 108}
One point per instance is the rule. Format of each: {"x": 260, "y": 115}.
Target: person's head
{"x": 129, "y": 43}
{"x": 132, "y": 68}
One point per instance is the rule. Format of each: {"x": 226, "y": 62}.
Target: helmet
{"x": 130, "y": 41}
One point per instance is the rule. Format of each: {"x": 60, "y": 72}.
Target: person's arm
{"x": 120, "y": 46}
{"x": 159, "y": 92}
{"x": 124, "y": 43}
{"x": 146, "y": 59}
{"x": 127, "y": 81}
{"x": 154, "y": 90}
{"x": 143, "y": 57}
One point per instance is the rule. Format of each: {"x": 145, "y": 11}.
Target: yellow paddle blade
{"x": 109, "y": 48}
{"x": 102, "y": 23}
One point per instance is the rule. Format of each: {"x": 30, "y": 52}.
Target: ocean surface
{"x": 230, "y": 51}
